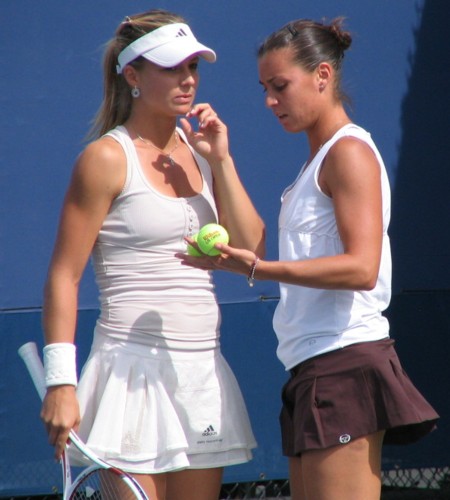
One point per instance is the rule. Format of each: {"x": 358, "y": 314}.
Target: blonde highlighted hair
{"x": 116, "y": 105}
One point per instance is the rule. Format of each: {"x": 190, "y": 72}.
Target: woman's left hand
{"x": 211, "y": 138}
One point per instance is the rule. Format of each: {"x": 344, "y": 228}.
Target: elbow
{"x": 260, "y": 249}
{"x": 363, "y": 272}
{"x": 60, "y": 283}
{"x": 368, "y": 279}
{"x": 367, "y": 286}
{"x": 255, "y": 240}
{"x": 47, "y": 291}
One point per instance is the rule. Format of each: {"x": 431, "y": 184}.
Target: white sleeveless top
{"x": 147, "y": 296}
{"x": 309, "y": 321}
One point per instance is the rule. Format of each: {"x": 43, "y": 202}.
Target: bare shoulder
{"x": 101, "y": 166}
{"x": 352, "y": 151}
{"x": 350, "y": 161}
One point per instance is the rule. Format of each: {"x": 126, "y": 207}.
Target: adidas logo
{"x": 209, "y": 431}
{"x": 181, "y": 32}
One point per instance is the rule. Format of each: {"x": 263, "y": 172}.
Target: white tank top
{"x": 309, "y": 321}
{"x": 147, "y": 296}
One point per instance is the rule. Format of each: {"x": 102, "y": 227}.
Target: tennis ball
{"x": 209, "y": 235}
{"x": 192, "y": 250}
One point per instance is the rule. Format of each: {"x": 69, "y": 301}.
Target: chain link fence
{"x": 398, "y": 484}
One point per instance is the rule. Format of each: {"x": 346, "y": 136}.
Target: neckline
{"x": 147, "y": 181}
{"x": 305, "y": 166}
{"x": 322, "y": 147}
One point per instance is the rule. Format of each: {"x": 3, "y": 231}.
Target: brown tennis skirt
{"x": 355, "y": 391}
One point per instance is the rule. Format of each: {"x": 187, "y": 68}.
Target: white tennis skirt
{"x": 149, "y": 410}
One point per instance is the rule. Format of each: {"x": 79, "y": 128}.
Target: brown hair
{"x": 116, "y": 105}
{"x": 313, "y": 43}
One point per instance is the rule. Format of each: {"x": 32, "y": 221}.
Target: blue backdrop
{"x": 50, "y": 87}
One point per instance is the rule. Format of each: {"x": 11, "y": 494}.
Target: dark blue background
{"x": 397, "y": 74}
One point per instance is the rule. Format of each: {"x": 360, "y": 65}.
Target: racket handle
{"x": 29, "y": 353}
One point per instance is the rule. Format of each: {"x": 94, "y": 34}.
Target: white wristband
{"x": 60, "y": 364}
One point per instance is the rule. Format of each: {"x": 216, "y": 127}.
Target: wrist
{"x": 252, "y": 271}
{"x": 60, "y": 364}
{"x": 224, "y": 162}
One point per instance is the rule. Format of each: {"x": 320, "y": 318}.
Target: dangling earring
{"x": 135, "y": 92}
{"x": 321, "y": 86}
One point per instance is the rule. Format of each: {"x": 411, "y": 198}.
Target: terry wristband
{"x": 60, "y": 364}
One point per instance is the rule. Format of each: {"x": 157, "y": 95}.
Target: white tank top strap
{"x": 350, "y": 129}
{"x": 120, "y": 135}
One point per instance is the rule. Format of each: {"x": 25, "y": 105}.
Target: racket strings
{"x": 101, "y": 484}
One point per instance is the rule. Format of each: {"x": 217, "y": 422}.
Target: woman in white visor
{"x": 155, "y": 397}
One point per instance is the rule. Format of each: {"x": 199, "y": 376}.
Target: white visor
{"x": 167, "y": 46}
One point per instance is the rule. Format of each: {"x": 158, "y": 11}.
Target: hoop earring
{"x": 135, "y": 92}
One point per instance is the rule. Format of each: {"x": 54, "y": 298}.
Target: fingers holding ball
{"x": 206, "y": 239}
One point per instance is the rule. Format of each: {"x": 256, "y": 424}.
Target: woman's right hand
{"x": 60, "y": 414}
{"x": 98, "y": 177}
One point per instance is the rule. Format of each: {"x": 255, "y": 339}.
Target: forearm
{"x": 236, "y": 210}
{"x": 60, "y": 411}
{"x": 60, "y": 310}
{"x": 340, "y": 272}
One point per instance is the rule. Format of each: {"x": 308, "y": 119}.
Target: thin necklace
{"x": 167, "y": 155}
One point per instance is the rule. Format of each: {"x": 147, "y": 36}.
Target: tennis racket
{"x": 100, "y": 480}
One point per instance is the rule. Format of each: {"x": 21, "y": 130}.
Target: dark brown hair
{"x": 313, "y": 43}
{"x": 116, "y": 105}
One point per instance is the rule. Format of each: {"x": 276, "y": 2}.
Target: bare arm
{"x": 236, "y": 211}
{"x": 97, "y": 178}
{"x": 351, "y": 176}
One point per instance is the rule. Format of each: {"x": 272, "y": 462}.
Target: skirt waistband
{"x": 346, "y": 358}
{"x": 155, "y": 348}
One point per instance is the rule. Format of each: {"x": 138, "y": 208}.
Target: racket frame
{"x": 29, "y": 354}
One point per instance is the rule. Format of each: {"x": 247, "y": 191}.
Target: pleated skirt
{"x": 355, "y": 391}
{"x": 150, "y": 410}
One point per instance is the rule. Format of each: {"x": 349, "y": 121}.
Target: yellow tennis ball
{"x": 209, "y": 235}
{"x": 192, "y": 250}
